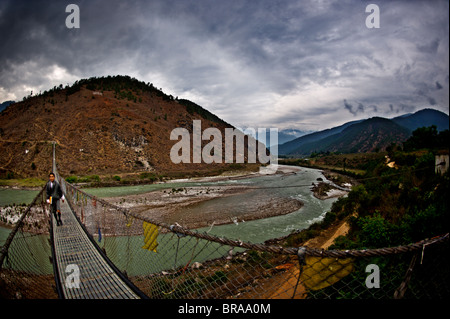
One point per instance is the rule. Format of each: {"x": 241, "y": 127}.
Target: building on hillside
{"x": 441, "y": 163}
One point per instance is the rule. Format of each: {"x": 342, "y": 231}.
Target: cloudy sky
{"x": 298, "y": 64}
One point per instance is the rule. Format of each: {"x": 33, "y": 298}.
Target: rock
{"x": 196, "y": 265}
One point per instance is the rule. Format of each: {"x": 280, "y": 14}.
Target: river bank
{"x": 192, "y": 206}
{"x": 236, "y": 200}
{"x": 229, "y": 198}
{"x": 335, "y": 185}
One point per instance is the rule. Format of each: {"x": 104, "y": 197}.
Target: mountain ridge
{"x": 106, "y": 125}
{"x": 329, "y": 139}
{"x": 5, "y": 104}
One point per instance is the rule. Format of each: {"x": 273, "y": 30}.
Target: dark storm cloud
{"x": 359, "y": 107}
{"x": 431, "y": 47}
{"x": 349, "y": 107}
{"x": 431, "y": 100}
{"x": 264, "y": 63}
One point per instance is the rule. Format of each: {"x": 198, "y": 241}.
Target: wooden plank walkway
{"x": 97, "y": 279}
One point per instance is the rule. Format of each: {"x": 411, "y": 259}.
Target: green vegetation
{"x": 31, "y": 182}
{"x": 354, "y": 165}
{"x": 391, "y": 206}
{"x": 427, "y": 138}
{"x": 84, "y": 179}
{"x": 141, "y": 178}
{"x": 192, "y": 108}
{"x": 16, "y": 197}
{"x": 151, "y": 177}
{"x": 397, "y": 205}
{"x": 126, "y": 88}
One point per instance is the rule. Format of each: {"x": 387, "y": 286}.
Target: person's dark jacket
{"x": 55, "y": 192}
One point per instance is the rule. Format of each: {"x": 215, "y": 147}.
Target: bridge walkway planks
{"x": 97, "y": 279}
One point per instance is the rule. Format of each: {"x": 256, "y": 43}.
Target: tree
{"x": 423, "y": 137}
{"x": 376, "y": 232}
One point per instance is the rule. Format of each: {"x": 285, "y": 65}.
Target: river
{"x": 296, "y": 185}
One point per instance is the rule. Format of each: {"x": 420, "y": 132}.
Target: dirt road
{"x": 284, "y": 285}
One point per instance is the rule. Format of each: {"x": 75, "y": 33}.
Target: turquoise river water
{"x": 296, "y": 185}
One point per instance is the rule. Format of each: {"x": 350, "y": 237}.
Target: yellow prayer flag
{"x": 319, "y": 273}
{"x": 150, "y": 235}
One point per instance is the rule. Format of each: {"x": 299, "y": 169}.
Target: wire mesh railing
{"x": 169, "y": 261}
{"x": 26, "y": 269}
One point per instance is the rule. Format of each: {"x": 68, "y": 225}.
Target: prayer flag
{"x": 150, "y": 236}
{"x": 319, "y": 273}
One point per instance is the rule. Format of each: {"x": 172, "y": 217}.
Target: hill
{"x": 283, "y": 136}
{"x": 286, "y": 135}
{"x": 107, "y": 125}
{"x": 370, "y": 135}
{"x": 293, "y": 145}
{"x": 4, "y": 105}
{"x": 423, "y": 118}
{"x": 364, "y": 136}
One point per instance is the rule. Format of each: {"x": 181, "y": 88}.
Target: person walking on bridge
{"x": 54, "y": 194}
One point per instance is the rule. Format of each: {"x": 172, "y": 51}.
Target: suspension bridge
{"x": 103, "y": 251}
{"x": 75, "y": 250}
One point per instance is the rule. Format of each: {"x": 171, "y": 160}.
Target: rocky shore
{"x": 334, "y": 185}
{"x": 174, "y": 205}
{"x": 188, "y": 206}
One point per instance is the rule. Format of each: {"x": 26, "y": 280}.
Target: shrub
{"x": 71, "y": 179}
{"x": 376, "y": 232}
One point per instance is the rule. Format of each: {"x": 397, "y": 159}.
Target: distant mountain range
{"x": 113, "y": 125}
{"x": 284, "y": 135}
{"x": 287, "y": 135}
{"x": 364, "y": 135}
